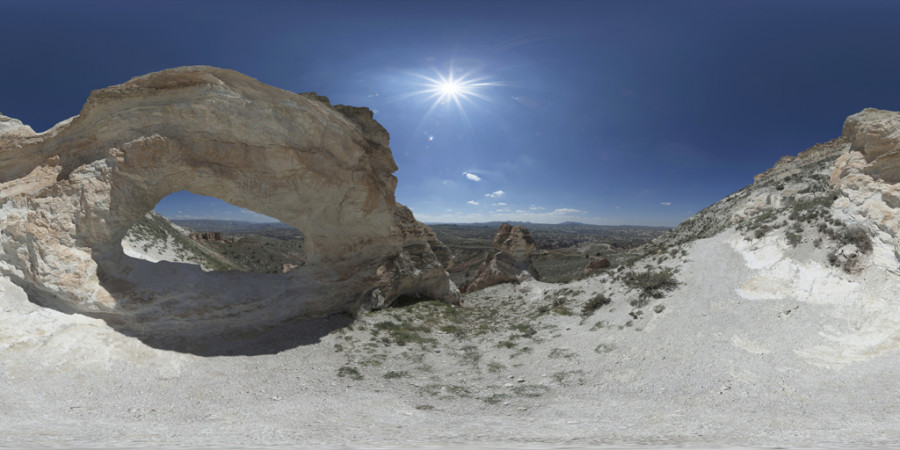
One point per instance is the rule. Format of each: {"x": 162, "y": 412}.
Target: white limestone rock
{"x": 868, "y": 178}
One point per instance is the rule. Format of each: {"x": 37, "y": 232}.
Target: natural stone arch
{"x": 68, "y": 196}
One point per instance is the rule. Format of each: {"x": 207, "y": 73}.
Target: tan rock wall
{"x": 868, "y": 177}
{"x": 68, "y": 196}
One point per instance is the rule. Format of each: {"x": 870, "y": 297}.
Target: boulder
{"x": 510, "y": 262}
{"x": 69, "y": 195}
{"x": 595, "y": 265}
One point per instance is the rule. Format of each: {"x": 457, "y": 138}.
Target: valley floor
{"x": 719, "y": 361}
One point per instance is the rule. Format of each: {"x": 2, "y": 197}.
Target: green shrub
{"x": 349, "y": 372}
{"x": 595, "y": 303}
{"x": 652, "y": 283}
{"x": 858, "y": 237}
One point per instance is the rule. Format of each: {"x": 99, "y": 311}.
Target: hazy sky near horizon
{"x": 607, "y": 112}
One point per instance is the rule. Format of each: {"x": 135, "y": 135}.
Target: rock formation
{"x": 595, "y": 265}
{"x": 68, "y": 196}
{"x": 207, "y": 236}
{"x": 868, "y": 179}
{"x": 852, "y": 183}
{"x": 510, "y": 262}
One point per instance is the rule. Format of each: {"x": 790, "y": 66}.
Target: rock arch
{"x": 68, "y": 196}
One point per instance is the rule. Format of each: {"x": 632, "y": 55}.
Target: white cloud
{"x": 666, "y": 203}
{"x": 502, "y": 210}
{"x": 499, "y": 204}
{"x": 495, "y": 194}
{"x": 472, "y": 176}
{"x": 472, "y": 202}
{"x": 567, "y": 211}
{"x": 536, "y": 208}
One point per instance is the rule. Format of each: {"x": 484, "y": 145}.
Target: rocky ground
{"x": 714, "y": 362}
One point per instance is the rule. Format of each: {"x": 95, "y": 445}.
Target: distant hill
{"x": 230, "y": 226}
{"x": 532, "y": 225}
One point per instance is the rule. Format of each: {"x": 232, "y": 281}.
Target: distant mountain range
{"x": 241, "y": 227}
{"x": 555, "y": 226}
{"x": 229, "y": 226}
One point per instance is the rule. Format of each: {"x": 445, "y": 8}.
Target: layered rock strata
{"x": 868, "y": 179}
{"x": 69, "y": 195}
{"x": 510, "y": 262}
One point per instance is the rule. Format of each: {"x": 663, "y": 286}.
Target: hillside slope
{"x": 154, "y": 238}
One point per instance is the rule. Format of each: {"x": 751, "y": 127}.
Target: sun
{"x": 449, "y": 88}
{"x": 461, "y": 89}
{"x": 454, "y": 89}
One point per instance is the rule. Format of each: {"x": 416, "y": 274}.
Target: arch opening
{"x": 215, "y": 235}
{"x": 71, "y": 194}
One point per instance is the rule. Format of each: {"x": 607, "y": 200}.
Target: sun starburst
{"x": 454, "y": 89}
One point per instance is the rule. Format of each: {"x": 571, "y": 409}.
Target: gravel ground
{"x": 714, "y": 363}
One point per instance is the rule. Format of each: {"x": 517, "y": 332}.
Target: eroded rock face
{"x": 207, "y": 236}
{"x": 868, "y": 177}
{"x": 69, "y": 195}
{"x": 510, "y": 263}
{"x": 595, "y": 265}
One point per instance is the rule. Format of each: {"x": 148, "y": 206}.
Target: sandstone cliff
{"x": 68, "y": 196}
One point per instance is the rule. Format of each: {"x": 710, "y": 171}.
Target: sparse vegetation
{"x": 391, "y": 375}
{"x": 404, "y": 333}
{"x": 793, "y": 239}
{"x": 530, "y": 390}
{"x": 470, "y": 355}
{"x": 349, "y": 372}
{"x": 651, "y": 283}
{"x": 593, "y": 304}
{"x": 857, "y": 237}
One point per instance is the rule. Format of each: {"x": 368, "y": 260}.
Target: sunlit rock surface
{"x": 868, "y": 177}
{"x": 509, "y": 262}
{"x": 69, "y": 195}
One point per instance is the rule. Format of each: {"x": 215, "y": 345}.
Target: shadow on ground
{"x": 249, "y": 342}
{"x": 199, "y": 326}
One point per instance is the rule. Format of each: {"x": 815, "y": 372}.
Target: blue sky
{"x": 608, "y": 112}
